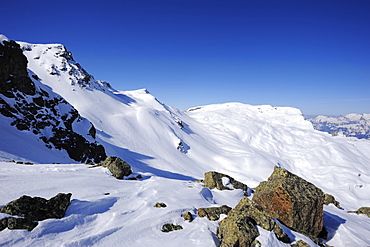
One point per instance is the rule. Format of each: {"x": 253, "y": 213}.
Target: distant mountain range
{"x": 351, "y": 125}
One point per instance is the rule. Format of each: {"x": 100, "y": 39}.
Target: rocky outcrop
{"x": 37, "y": 208}
{"x": 170, "y": 227}
{"x": 362, "y": 210}
{"x": 222, "y": 182}
{"x": 292, "y": 200}
{"x": 329, "y": 199}
{"x": 300, "y": 243}
{"x": 34, "y": 209}
{"x": 237, "y": 232}
{"x": 250, "y": 209}
{"x": 36, "y": 109}
{"x": 214, "y": 212}
{"x": 117, "y": 167}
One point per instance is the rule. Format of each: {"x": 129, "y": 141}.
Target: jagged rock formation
{"x": 34, "y": 209}
{"x": 35, "y": 108}
{"x": 117, "y": 167}
{"x": 292, "y": 200}
{"x": 214, "y": 212}
{"x": 222, "y": 182}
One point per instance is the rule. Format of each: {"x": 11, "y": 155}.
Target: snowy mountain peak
{"x": 352, "y": 125}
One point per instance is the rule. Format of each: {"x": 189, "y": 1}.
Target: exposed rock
{"x": 117, "y": 167}
{"x": 187, "y": 216}
{"x": 160, "y": 205}
{"x": 170, "y": 227}
{"x": 237, "y": 232}
{"x": 37, "y": 208}
{"x": 297, "y": 203}
{"x": 331, "y": 199}
{"x": 17, "y": 223}
{"x": 248, "y": 208}
{"x": 300, "y": 243}
{"x": 362, "y": 210}
{"x": 214, "y": 212}
{"x": 218, "y": 180}
{"x": 31, "y": 108}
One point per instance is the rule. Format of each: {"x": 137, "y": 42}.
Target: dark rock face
{"x": 170, "y": 227}
{"x": 37, "y": 208}
{"x": 214, "y": 180}
{"x": 248, "y": 208}
{"x": 33, "y": 109}
{"x": 297, "y": 203}
{"x": 13, "y": 70}
{"x": 214, "y": 212}
{"x": 237, "y": 232}
{"x": 117, "y": 166}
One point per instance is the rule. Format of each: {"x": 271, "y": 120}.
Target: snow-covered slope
{"x": 171, "y": 148}
{"x": 352, "y": 125}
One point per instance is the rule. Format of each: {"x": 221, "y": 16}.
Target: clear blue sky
{"x": 309, "y": 54}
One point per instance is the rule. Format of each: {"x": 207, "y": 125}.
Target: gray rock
{"x": 187, "y": 216}
{"x": 213, "y": 213}
{"x": 170, "y": 227}
{"x": 37, "y": 208}
{"x": 117, "y": 167}
{"x": 237, "y": 232}
{"x": 214, "y": 180}
{"x": 248, "y": 208}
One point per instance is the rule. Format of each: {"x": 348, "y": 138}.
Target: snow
{"x": 243, "y": 141}
{"x": 2, "y": 38}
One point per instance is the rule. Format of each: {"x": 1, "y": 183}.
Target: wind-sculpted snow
{"x": 242, "y": 141}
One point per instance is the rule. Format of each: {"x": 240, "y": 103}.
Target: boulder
{"x": 222, "y": 182}
{"x": 117, "y": 167}
{"x": 187, "y": 216}
{"x": 300, "y": 243}
{"x": 17, "y": 223}
{"x": 170, "y": 227}
{"x": 249, "y": 208}
{"x": 160, "y": 205}
{"x": 362, "y": 210}
{"x": 37, "y": 208}
{"x": 292, "y": 200}
{"x": 214, "y": 212}
{"x": 237, "y": 232}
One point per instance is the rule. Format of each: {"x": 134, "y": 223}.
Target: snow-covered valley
{"x": 170, "y": 149}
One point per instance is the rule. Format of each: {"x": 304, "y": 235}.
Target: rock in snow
{"x": 297, "y": 203}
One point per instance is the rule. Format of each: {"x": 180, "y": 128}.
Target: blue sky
{"x": 309, "y": 54}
